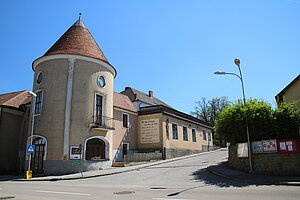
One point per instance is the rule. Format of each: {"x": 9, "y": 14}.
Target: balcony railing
{"x": 103, "y": 122}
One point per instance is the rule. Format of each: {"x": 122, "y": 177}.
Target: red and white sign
{"x": 269, "y": 146}
{"x": 288, "y": 146}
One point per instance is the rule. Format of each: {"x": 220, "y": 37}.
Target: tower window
{"x": 101, "y": 81}
{"x": 38, "y": 102}
{"x": 39, "y": 78}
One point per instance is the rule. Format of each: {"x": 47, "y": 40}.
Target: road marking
{"x": 169, "y": 199}
{"x": 56, "y": 192}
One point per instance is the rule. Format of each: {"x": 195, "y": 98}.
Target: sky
{"x": 171, "y": 47}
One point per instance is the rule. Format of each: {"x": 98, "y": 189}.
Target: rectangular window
{"x": 125, "y": 118}
{"x": 99, "y": 109}
{"x": 185, "y": 133}
{"x": 194, "y": 135}
{"x": 209, "y": 136}
{"x": 204, "y": 134}
{"x": 38, "y": 102}
{"x": 175, "y": 131}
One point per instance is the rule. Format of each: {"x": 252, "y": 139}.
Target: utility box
{"x": 28, "y": 174}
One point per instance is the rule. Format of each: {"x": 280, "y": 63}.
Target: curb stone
{"x": 137, "y": 167}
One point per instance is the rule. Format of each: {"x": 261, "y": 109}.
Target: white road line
{"x": 169, "y": 199}
{"x": 56, "y": 192}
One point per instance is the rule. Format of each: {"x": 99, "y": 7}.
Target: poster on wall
{"x": 257, "y": 147}
{"x": 242, "y": 150}
{"x": 75, "y": 153}
{"x": 288, "y": 146}
{"x": 269, "y": 146}
{"x": 150, "y": 131}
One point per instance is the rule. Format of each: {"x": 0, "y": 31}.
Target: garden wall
{"x": 267, "y": 163}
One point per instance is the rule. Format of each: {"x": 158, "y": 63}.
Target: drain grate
{"x": 124, "y": 192}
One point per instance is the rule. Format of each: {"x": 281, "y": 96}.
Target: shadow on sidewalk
{"x": 10, "y": 177}
{"x": 222, "y": 176}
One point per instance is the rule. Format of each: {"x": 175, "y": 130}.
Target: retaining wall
{"x": 267, "y": 163}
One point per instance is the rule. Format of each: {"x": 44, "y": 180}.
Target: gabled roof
{"x": 122, "y": 101}
{"x": 289, "y": 85}
{"x": 173, "y": 113}
{"x": 77, "y": 40}
{"x": 144, "y": 98}
{"x": 15, "y": 99}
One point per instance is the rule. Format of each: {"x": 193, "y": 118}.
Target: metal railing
{"x": 103, "y": 122}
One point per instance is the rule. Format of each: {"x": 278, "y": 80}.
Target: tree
{"x": 208, "y": 110}
{"x": 287, "y": 121}
{"x": 263, "y": 121}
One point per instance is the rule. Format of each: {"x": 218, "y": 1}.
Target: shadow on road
{"x": 234, "y": 178}
{"x": 203, "y": 175}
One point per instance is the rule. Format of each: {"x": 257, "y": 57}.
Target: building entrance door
{"x": 37, "y": 161}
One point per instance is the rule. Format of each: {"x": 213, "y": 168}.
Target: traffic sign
{"x": 30, "y": 148}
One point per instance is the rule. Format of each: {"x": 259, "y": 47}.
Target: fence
{"x": 140, "y": 157}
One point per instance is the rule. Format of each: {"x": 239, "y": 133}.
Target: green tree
{"x": 232, "y": 125}
{"x": 287, "y": 121}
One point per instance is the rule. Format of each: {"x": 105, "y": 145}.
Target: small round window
{"x": 101, "y": 81}
{"x": 39, "y": 78}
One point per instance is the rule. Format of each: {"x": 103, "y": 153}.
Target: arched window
{"x": 95, "y": 149}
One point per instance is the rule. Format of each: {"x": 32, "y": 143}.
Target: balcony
{"x": 102, "y": 123}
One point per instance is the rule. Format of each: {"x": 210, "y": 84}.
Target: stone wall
{"x": 267, "y": 163}
{"x": 173, "y": 153}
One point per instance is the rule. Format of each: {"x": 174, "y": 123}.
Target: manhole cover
{"x": 124, "y": 192}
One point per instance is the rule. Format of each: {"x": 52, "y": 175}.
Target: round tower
{"x": 73, "y": 112}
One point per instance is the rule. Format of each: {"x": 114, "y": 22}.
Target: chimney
{"x": 150, "y": 93}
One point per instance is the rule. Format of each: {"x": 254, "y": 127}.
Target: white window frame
{"x": 187, "y": 133}
{"x": 177, "y": 131}
{"x": 127, "y": 120}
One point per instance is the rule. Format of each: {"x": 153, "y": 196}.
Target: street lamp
{"x": 32, "y": 123}
{"x": 240, "y": 76}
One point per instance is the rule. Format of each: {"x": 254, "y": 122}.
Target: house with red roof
{"x": 76, "y": 115}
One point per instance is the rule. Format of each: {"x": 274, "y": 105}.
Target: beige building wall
{"x": 179, "y": 143}
{"x": 85, "y": 89}
{"x": 50, "y": 122}
{"x": 293, "y": 93}
{"x": 169, "y": 142}
{"x": 122, "y": 134}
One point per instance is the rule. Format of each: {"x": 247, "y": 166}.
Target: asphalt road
{"x": 185, "y": 179}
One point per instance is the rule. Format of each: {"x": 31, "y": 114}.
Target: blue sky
{"x": 171, "y": 47}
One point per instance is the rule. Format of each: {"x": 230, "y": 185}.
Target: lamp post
{"x": 240, "y": 76}
{"x": 32, "y": 123}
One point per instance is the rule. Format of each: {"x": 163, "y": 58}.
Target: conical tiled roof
{"x": 77, "y": 40}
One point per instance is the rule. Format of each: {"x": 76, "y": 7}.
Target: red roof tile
{"x": 122, "y": 101}
{"x": 15, "y": 99}
{"x": 77, "y": 40}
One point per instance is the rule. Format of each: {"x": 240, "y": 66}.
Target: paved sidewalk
{"x": 223, "y": 171}
{"x": 108, "y": 171}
